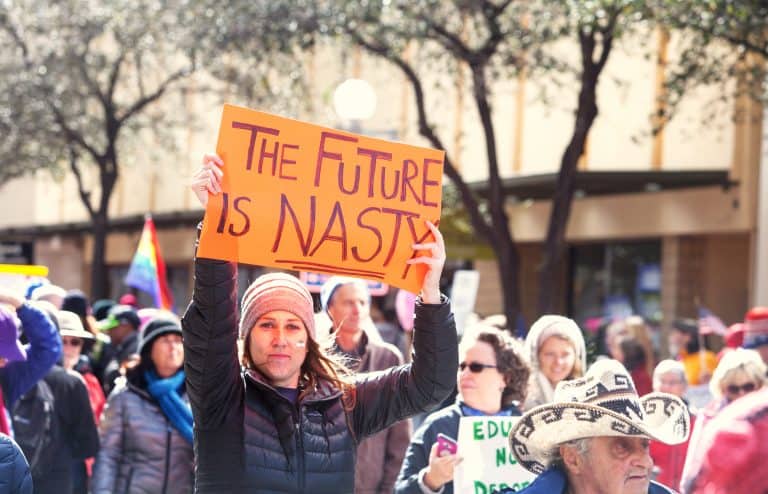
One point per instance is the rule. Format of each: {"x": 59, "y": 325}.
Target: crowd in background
{"x": 94, "y": 397}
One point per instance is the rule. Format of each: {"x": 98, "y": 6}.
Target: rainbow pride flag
{"x": 147, "y": 271}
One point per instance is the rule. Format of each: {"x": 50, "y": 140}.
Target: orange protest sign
{"x": 308, "y": 198}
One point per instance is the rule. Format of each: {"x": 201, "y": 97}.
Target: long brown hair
{"x": 320, "y": 364}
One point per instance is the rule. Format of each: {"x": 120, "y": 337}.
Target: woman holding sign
{"x": 492, "y": 380}
{"x": 290, "y": 418}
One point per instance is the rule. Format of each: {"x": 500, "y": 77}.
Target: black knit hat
{"x": 76, "y": 301}
{"x": 154, "y": 329}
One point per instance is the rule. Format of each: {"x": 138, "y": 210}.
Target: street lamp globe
{"x": 354, "y": 100}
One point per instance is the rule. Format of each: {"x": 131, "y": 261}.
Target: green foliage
{"x": 76, "y": 74}
{"x": 719, "y": 42}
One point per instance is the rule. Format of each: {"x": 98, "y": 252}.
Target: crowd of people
{"x": 262, "y": 394}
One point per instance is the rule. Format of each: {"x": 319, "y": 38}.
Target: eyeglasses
{"x": 72, "y": 341}
{"x": 735, "y": 389}
{"x": 475, "y": 367}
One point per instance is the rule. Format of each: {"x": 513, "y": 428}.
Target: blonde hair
{"x": 740, "y": 359}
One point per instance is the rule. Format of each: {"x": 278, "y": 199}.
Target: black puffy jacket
{"x": 248, "y": 438}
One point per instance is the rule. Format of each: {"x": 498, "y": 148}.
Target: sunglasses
{"x": 734, "y": 389}
{"x": 475, "y": 367}
{"x": 72, "y": 341}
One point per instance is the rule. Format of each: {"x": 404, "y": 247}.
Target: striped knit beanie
{"x": 276, "y": 291}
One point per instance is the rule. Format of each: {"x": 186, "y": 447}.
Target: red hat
{"x": 734, "y": 337}
{"x": 736, "y": 444}
{"x": 756, "y": 327}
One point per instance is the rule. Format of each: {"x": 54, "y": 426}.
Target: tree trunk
{"x": 508, "y": 265}
{"x": 586, "y": 112}
{"x": 554, "y": 245}
{"x": 99, "y": 278}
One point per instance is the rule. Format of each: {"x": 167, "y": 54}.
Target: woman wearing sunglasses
{"x": 492, "y": 380}
{"x": 740, "y": 372}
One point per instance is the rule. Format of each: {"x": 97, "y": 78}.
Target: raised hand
{"x": 207, "y": 180}
{"x": 430, "y": 289}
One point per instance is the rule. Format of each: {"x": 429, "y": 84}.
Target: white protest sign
{"x": 488, "y": 464}
{"x": 18, "y": 277}
{"x": 464, "y": 295}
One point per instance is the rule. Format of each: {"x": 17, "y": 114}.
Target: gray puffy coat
{"x": 141, "y": 452}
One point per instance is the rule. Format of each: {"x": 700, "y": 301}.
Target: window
{"x": 614, "y": 280}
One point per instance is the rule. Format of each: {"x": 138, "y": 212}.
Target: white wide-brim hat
{"x": 602, "y": 403}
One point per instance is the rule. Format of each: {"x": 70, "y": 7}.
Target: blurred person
{"x": 290, "y": 420}
{"x": 735, "y": 447}
{"x": 669, "y": 377}
{"x": 55, "y": 424}
{"x": 685, "y": 343}
{"x": 49, "y": 293}
{"x": 492, "y": 380}
{"x": 23, "y": 366}
{"x": 614, "y": 333}
{"x": 146, "y": 430}
{"x": 641, "y": 331}
{"x": 347, "y": 303}
{"x": 634, "y": 359}
{"x": 756, "y": 331}
{"x": 100, "y": 308}
{"x": 733, "y": 339}
{"x": 556, "y": 351}
{"x": 130, "y": 300}
{"x": 594, "y": 436}
{"x": 739, "y": 373}
{"x": 73, "y": 337}
{"x": 97, "y": 348}
{"x": 122, "y": 326}
{"x": 14, "y": 470}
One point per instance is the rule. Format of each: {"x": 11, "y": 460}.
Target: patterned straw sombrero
{"x": 602, "y": 403}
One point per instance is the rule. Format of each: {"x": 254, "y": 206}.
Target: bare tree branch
{"x": 425, "y": 129}
{"x": 85, "y": 195}
{"x": 153, "y": 96}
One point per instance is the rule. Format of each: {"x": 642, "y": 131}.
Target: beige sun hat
{"x": 602, "y": 403}
{"x": 70, "y": 325}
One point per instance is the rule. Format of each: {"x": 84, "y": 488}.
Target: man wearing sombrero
{"x": 594, "y": 437}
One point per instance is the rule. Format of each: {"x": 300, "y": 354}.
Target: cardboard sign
{"x": 488, "y": 464}
{"x": 315, "y": 281}
{"x": 308, "y": 198}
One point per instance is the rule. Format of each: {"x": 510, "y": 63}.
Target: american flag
{"x": 710, "y": 323}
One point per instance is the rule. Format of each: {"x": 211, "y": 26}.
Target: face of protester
{"x": 72, "y": 346}
{"x": 167, "y": 354}
{"x": 349, "y": 308}
{"x": 556, "y": 359}
{"x": 278, "y": 347}
{"x": 3, "y": 361}
{"x": 120, "y": 332}
{"x": 738, "y": 383}
{"x": 612, "y": 465}
{"x": 678, "y": 341}
{"x": 481, "y": 390}
{"x": 670, "y": 382}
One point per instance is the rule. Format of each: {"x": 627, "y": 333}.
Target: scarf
{"x": 176, "y": 410}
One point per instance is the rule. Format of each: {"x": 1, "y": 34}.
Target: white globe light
{"x": 354, "y": 99}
